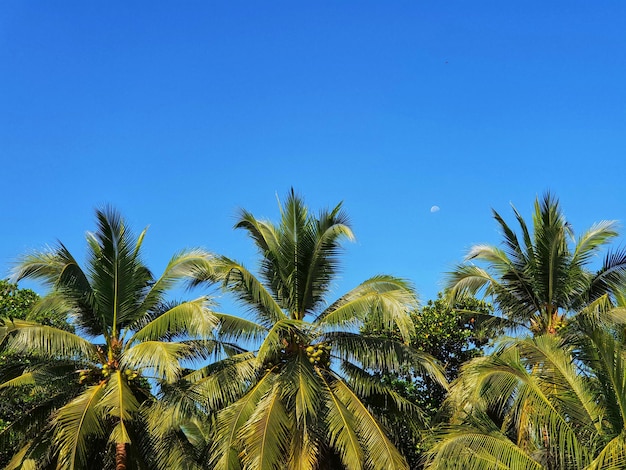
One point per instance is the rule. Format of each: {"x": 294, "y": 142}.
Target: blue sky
{"x": 179, "y": 113}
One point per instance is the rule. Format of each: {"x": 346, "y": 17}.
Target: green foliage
{"x": 20, "y": 304}
{"x": 15, "y": 302}
{"x": 453, "y": 334}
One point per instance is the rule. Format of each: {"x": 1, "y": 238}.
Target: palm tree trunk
{"x": 120, "y": 456}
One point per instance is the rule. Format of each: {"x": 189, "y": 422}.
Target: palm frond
{"x": 596, "y": 237}
{"x": 264, "y": 436}
{"x": 385, "y": 301}
{"x": 237, "y": 328}
{"x": 612, "y": 456}
{"x": 275, "y": 339}
{"x": 30, "y": 337}
{"x": 251, "y": 292}
{"x": 227, "y": 447}
{"x": 221, "y": 383}
{"x": 118, "y": 401}
{"x": 342, "y": 428}
{"x": 117, "y": 275}
{"x": 183, "y": 266}
{"x": 193, "y": 318}
{"x": 380, "y": 450}
{"x": 462, "y": 448}
{"x": 75, "y": 423}
{"x": 161, "y": 359}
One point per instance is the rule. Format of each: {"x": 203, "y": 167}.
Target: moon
{"x": 434, "y": 209}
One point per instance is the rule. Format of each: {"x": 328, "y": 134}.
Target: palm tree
{"x": 538, "y": 280}
{"x": 538, "y": 403}
{"x": 128, "y": 340}
{"x": 296, "y": 400}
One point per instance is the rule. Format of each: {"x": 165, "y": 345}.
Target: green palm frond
{"x": 365, "y": 385}
{"x": 49, "y": 306}
{"x": 611, "y": 277}
{"x": 304, "y": 452}
{"x": 185, "y": 265}
{"x": 302, "y": 387}
{"x": 119, "y": 401}
{"x": 116, "y": 273}
{"x": 193, "y": 318}
{"x": 379, "y": 353}
{"x": 250, "y": 291}
{"x": 275, "y": 338}
{"x": 380, "y": 450}
{"x": 221, "y": 383}
{"x": 462, "y": 448}
{"x": 607, "y": 357}
{"x": 544, "y": 279}
{"x": 330, "y": 228}
{"x": 161, "y": 359}
{"x": 30, "y": 337}
{"x": 20, "y": 461}
{"x": 342, "y": 428}
{"x": 612, "y": 456}
{"x": 54, "y": 267}
{"x": 504, "y": 383}
{"x": 594, "y": 238}
{"x": 385, "y": 301}
{"x": 558, "y": 370}
{"x": 237, "y": 328}
{"x": 230, "y": 420}
{"x": 264, "y": 437}
{"x": 75, "y": 423}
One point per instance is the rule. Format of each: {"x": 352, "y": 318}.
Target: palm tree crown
{"x": 296, "y": 400}
{"x": 125, "y": 341}
{"x": 541, "y": 277}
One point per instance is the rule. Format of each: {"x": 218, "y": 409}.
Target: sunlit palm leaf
{"x": 251, "y": 292}
{"x": 231, "y": 420}
{"x": 193, "y": 318}
{"x": 30, "y": 337}
{"x": 465, "y": 448}
{"x": 160, "y": 359}
{"x": 264, "y": 437}
{"x": 384, "y": 301}
{"x": 118, "y": 401}
{"x": 75, "y": 423}
{"x": 342, "y": 428}
{"x": 237, "y": 328}
{"x": 380, "y": 451}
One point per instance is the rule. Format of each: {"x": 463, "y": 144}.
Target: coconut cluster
{"x": 94, "y": 375}
{"x": 319, "y": 354}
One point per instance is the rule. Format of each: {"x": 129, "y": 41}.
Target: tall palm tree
{"x": 128, "y": 339}
{"x": 538, "y": 279}
{"x": 538, "y": 403}
{"x": 297, "y": 403}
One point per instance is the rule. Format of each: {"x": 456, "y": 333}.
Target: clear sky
{"x": 179, "y": 113}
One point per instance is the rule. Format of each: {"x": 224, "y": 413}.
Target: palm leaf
{"x": 30, "y": 337}
{"x": 264, "y": 436}
{"x": 75, "y": 423}
{"x": 384, "y": 301}
{"x": 118, "y": 401}
{"x": 380, "y": 451}
{"x": 162, "y": 359}
{"x": 193, "y": 318}
{"x": 342, "y": 428}
{"x": 226, "y": 448}
{"x": 465, "y": 448}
